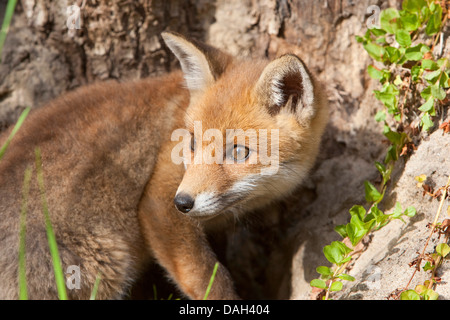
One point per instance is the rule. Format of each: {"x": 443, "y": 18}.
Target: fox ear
{"x": 286, "y": 85}
{"x": 201, "y": 64}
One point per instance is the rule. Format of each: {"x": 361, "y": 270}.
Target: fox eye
{"x": 240, "y": 153}
{"x": 193, "y": 143}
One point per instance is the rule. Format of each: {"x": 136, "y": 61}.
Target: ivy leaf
{"x": 414, "y": 53}
{"x": 325, "y": 271}
{"x": 426, "y": 93}
{"x": 374, "y": 73}
{"x": 397, "y": 211}
{"x": 336, "y": 286}
{"x": 403, "y": 37}
{"x": 393, "y": 54}
{"x": 434, "y": 23}
{"x": 375, "y": 51}
{"x": 358, "y": 211}
{"x": 427, "y": 266}
{"x": 430, "y": 294}
{"x": 409, "y": 295}
{"x": 410, "y": 22}
{"x": 341, "y": 229}
{"x": 438, "y": 92}
{"x": 371, "y": 193}
{"x": 429, "y": 65}
{"x": 389, "y": 20}
{"x": 336, "y": 252}
{"x": 357, "y": 229}
{"x": 347, "y": 277}
{"x": 443, "y": 249}
{"x": 426, "y": 122}
{"x": 413, "y": 5}
{"x": 380, "y": 116}
{"x": 432, "y": 77}
{"x": 410, "y": 212}
{"x": 427, "y": 106}
{"x": 318, "y": 283}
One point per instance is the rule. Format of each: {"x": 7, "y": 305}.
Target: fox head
{"x": 254, "y": 129}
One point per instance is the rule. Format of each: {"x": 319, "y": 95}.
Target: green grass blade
{"x": 211, "y": 281}
{"x": 95, "y": 289}
{"x": 23, "y": 295}
{"x": 6, "y": 22}
{"x": 59, "y": 275}
{"x": 14, "y": 131}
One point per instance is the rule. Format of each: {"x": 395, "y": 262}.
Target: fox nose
{"x": 184, "y": 202}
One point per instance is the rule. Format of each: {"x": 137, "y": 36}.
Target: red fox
{"x": 117, "y": 194}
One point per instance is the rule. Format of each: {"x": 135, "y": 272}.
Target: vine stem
{"x": 441, "y": 204}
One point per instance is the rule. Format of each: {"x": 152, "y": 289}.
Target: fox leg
{"x": 178, "y": 242}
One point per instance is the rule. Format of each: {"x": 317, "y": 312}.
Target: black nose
{"x": 184, "y": 202}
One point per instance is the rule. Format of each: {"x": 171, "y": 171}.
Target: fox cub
{"x": 135, "y": 172}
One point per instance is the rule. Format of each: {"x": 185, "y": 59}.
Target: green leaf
{"x": 375, "y": 51}
{"x": 378, "y": 216}
{"x": 389, "y": 20}
{"x": 443, "y": 249}
{"x": 410, "y": 212}
{"x": 413, "y": 5}
{"x": 372, "y": 194}
{"x": 410, "y": 21}
{"x": 359, "y": 39}
{"x": 23, "y": 293}
{"x": 52, "y": 243}
{"x": 409, "y": 295}
{"x": 357, "y": 229}
{"x": 429, "y": 65}
{"x": 347, "y": 277}
{"x": 427, "y": 106}
{"x": 403, "y": 37}
{"x": 444, "y": 83}
{"x": 434, "y": 23}
{"x": 429, "y": 294}
{"x": 380, "y": 116}
{"x": 442, "y": 63}
{"x": 428, "y": 266}
{"x": 318, "y": 283}
{"x": 374, "y": 73}
{"x": 426, "y": 122}
{"x": 341, "y": 229}
{"x": 438, "y": 92}
{"x": 325, "y": 271}
{"x": 397, "y": 213}
{"x": 398, "y": 80}
{"x": 211, "y": 280}
{"x": 416, "y": 72}
{"x": 432, "y": 77}
{"x": 358, "y": 211}
{"x": 392, "y": 54}
{"x": 333, "y": 254}
{"x": 414, "y": 53}
{"x": 426, "y": 93}
{"x": 336, "y": 286}
{"x": 16, "y": 128}
{"x": 380, "y": 167}
{"x": 336, "y": 252}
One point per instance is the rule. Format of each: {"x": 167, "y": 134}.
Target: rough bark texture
{"x": 274, "y": 253}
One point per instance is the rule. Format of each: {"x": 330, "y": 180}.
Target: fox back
{"x": 136, "y": 171}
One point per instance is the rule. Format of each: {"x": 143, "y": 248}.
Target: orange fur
{"x": 111, "y": 183}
